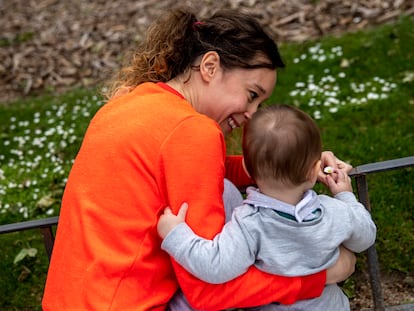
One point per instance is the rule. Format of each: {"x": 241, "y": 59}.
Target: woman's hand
{"x": 343, "y": 268}
{"x": 329, "y": 159}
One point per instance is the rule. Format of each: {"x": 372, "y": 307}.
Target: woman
{"x": 159, "y": 142}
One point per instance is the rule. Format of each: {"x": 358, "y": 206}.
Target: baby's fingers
{"x": 343, "y": 176}
{"x": 330, "y": 182}
{"x": 182, "y": 213}
{"x": 167, "y": 211}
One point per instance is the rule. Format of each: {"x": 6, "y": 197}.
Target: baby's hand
{"x": 328, "y": 159}
{"x": 342, "y": 182}
{"x": 169, "y": 221}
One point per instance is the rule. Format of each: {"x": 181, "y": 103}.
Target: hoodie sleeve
{"x": 228, "y": 255}
{"x": 363, "y": 227}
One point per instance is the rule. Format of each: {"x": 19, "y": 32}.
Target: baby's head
{"x": 281, "y": 144}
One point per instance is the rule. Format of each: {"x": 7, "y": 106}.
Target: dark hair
{"x": 177, "y": 39}
{"x": 281, "y": 143}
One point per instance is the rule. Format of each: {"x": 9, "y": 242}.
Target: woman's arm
{"x": 236, "y": 173}
{"x": 343, "y": 268}
{"x": 193, "y": 163}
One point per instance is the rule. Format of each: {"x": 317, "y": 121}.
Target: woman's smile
{"x": 232, "y": 123}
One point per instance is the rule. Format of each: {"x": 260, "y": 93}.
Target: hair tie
{"x": 195, "y": 24}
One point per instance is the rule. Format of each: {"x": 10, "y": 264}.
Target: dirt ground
{"x": 52, "y": 46}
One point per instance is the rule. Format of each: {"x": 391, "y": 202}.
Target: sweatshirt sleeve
{"x": 215, "y": 261}
{"x": 363, "y": 230}
{"x": 192, "y": 169}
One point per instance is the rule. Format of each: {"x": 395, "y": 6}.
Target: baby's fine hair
{"x": 281, "y": 143}
{"x": 178, "y": 38}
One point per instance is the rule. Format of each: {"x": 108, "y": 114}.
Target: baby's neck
{"x": 288, "y": 194}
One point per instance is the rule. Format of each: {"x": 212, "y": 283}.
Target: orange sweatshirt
{"x": 144, "y": 151}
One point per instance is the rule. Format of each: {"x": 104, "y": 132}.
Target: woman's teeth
{"x": 232, "y": 123}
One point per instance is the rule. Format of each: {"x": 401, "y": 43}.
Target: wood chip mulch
{"x": 52, "y": 45}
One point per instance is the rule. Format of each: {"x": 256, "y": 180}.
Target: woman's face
{"x": 234, "y": 95}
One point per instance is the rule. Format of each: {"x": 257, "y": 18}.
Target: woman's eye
{"x": 253, "y": 95}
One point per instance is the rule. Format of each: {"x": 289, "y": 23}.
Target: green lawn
{"x": 358, "y": 87}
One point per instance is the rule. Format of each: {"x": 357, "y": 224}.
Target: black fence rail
{"x": 360, "y": 173}
{"x": 46, "y": 228}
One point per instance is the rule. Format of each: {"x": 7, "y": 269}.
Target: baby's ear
{"x": 245, "y": 169}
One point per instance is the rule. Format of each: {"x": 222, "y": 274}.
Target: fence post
{"x": 48, "y": 239}
{"x": 373, "y": 263}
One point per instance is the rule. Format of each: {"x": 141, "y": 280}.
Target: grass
{"x": 358, "y": 87}
{"x": 39, "y": 140}
{"x": 365, "y": 111}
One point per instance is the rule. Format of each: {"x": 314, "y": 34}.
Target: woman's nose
{"x": 248, "y": 115}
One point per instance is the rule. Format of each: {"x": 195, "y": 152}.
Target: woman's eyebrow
{"x": 261, "y": 89}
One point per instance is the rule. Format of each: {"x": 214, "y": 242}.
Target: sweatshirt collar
{"x": 304, "y": 210}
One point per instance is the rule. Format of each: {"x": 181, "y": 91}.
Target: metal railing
{"x": 359, "y": 173}
{"x": 46, "y": 228}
